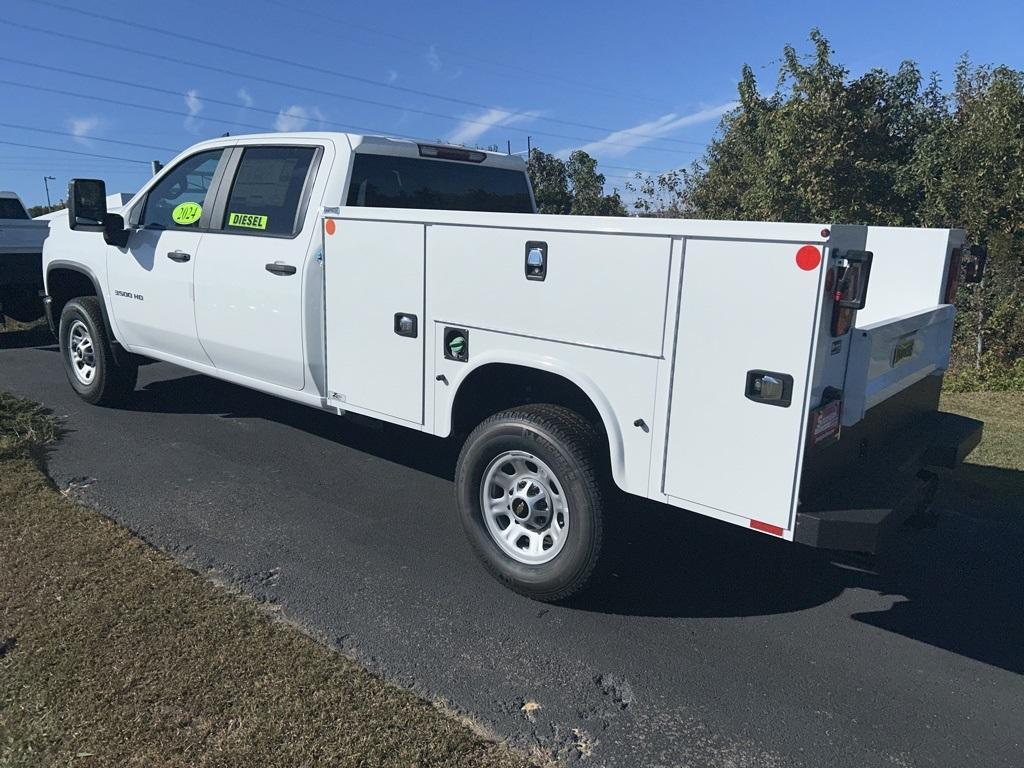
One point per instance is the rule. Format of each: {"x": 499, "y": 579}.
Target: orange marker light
{"x": 329, "y": 226}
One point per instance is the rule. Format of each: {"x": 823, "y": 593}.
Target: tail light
{"x": 953, "y": 275}
{"x": 849, "y": 286}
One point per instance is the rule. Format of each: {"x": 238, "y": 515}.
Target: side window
{"x": 267, "y": 190}
{"x": 177, "y": 200}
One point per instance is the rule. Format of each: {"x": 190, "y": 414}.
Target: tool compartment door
{"x": 373, "y": 279}
{"x": 745, "y": 307}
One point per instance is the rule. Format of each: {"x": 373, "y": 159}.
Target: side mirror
{"x": 87, "y": 204}
{"x": 974, "y": 264}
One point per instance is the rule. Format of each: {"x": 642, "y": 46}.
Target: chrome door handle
{"x": 277, "y": 268}
{"x": 179, "y": 256}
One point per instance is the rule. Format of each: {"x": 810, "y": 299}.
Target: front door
{"x": 150, "y": 281}
{"x": 253, "y": 266}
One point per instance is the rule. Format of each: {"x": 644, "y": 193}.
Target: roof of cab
{"x": 373, "y": 145}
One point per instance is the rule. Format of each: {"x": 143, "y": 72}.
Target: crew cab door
{"x": 252, "y": 268}
{"x": 150, "y": 281}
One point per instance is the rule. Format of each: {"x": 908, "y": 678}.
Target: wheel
{"x": 88, "y": 359}
{"x": 530, "y": 499}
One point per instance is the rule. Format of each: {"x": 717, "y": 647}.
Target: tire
{"x": 89, "y": 362}
{"x": 556, "y": 453}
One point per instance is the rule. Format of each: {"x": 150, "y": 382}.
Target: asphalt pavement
{"x": 710, "y": 646}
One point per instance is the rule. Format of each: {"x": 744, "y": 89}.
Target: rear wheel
{"x": 89, "y": 361}
{"x": 530, "y": 499}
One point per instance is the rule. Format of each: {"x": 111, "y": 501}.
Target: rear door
{"x": 249, "y": 276}
{"x": 748, "y": 313}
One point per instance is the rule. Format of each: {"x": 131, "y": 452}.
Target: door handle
{"x": 179, "y": 256}
{"x": 277, "y": 268}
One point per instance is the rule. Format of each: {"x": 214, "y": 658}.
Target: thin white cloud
{"x": 295, "y": 118}
{"x": 473, "y": 127}
{"x": 620, "y": 143}
{"x": 245, "y": 97}
{"x": 392, "y": 76}
{"x": 434, "y": 59}
{"x": 194, "y": 105}
{"x": 83, "y": 127}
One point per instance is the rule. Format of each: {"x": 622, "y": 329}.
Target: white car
{"x": 734, "y": 369}
{"x": 21, "y": 255}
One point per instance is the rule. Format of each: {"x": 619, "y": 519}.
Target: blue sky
{"x": 639, "y": 85}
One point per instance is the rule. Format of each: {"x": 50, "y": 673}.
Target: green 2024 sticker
{"x": 187, "y": 213}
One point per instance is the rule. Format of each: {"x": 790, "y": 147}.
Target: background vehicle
{"x": 21, "y": 254}
{"x": 719, "y": 367}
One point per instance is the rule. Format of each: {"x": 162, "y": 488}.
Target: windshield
{"x": 11, "y": 208}
{"x": 389, "y": 181}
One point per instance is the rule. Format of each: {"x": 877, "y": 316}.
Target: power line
{"x": 221, "y": 46}
{"x": 417, "y": 46}
{"x": 73, "y": 152}
{"x": 233, "y": 105}
{"x": 36, "y": 129}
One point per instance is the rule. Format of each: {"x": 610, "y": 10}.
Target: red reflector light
{"x": 757, "y": 525}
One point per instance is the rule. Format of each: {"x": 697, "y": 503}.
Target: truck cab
{"x": 739, "y": 370}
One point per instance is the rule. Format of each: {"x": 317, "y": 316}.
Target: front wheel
{"x": 530, "y": 500}
{"x": 89, "y": 361}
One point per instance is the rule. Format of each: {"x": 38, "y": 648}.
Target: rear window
{"x": 11, "y": 209}
{"x": 387, "y": 181}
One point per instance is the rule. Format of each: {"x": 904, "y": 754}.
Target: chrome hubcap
{"x": 524, "y": 507}
{"x": 81, "y": 352}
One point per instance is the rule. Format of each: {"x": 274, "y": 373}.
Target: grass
{"x": 1003, "y": 414}
{"x": 111, "y": 653}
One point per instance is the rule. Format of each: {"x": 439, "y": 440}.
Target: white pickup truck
{"x": 21, "y": 257}
{"x": 739, "y": 370}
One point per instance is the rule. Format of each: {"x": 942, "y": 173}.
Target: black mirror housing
{"x": 87, "y": 204}
{"x": 114, "y": 232}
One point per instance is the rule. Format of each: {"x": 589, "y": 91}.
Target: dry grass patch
{"x": 111, "y": 653}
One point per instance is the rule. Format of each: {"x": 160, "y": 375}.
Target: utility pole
{"x": 509, "y": 141}
{"x": 529, "y": 149}
{"x": 46, "y": 183}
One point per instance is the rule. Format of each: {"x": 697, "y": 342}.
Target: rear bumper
{"x": 861, "y": 503}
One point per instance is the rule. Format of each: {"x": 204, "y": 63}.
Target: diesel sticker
{"x": 247, "y": 220}
{"x": 186, "y": 213}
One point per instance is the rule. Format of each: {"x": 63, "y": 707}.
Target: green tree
{"x": 550, "y": 182}
{"x": 571, "y": 187}
{"x": 888, "y": 148}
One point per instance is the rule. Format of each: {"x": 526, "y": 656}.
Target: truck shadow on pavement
{"x": 954, "y": 580}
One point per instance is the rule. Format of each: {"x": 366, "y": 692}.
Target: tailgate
{"x": 888, "y": 356}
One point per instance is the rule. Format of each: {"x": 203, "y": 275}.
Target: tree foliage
{"x": 887, "y": 148}
{"x": 573, "y": 186}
